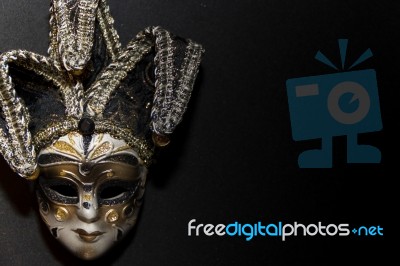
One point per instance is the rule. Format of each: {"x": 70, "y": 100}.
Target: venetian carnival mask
{"x": 84, "y": 122}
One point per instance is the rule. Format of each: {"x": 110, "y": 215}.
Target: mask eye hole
{"x": 65, "y": 190}
{"x": 112, "y": 192}
{"x": 60, "y": 191}
{"x": 116, "y": 192}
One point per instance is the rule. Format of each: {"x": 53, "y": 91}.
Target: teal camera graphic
{"x": 339, "y": 104}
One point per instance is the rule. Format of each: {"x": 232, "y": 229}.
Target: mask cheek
{"x": 121, "y": 218}
{"x": 56, "y": 217}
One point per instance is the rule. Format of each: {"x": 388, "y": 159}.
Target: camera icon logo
{"x": 338, "y": 104}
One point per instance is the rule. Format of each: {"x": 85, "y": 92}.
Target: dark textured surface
{"x": 40, "y": 97}
{"x": 233, "y": 158}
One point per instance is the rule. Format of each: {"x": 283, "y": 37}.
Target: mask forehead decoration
{"x": 85, "y": 121}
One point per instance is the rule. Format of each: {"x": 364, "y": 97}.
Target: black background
{"x": 233, "y": 157}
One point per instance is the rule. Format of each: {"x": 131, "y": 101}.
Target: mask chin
{"x": 90, "y": 211}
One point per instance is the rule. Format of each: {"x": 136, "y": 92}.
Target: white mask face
{"x": 89, "y": 196}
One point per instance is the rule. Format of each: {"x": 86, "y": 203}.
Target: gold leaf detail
{"x": 101, "y": 150}
{"x": 71, "y": 138}
{"x": 65, "y": 147}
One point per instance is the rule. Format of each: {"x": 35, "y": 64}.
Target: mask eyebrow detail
{"x": 51, "y": 158}
{"x": 123, "y": 158}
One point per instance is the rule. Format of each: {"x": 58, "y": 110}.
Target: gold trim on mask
{"x": 66, "y": 148}
{"x": 101, "y": 150}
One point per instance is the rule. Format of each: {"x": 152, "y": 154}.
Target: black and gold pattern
{"x": 89, "y": 75}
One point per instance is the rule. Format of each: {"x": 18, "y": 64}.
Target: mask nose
{"x": 88, "y": 212}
